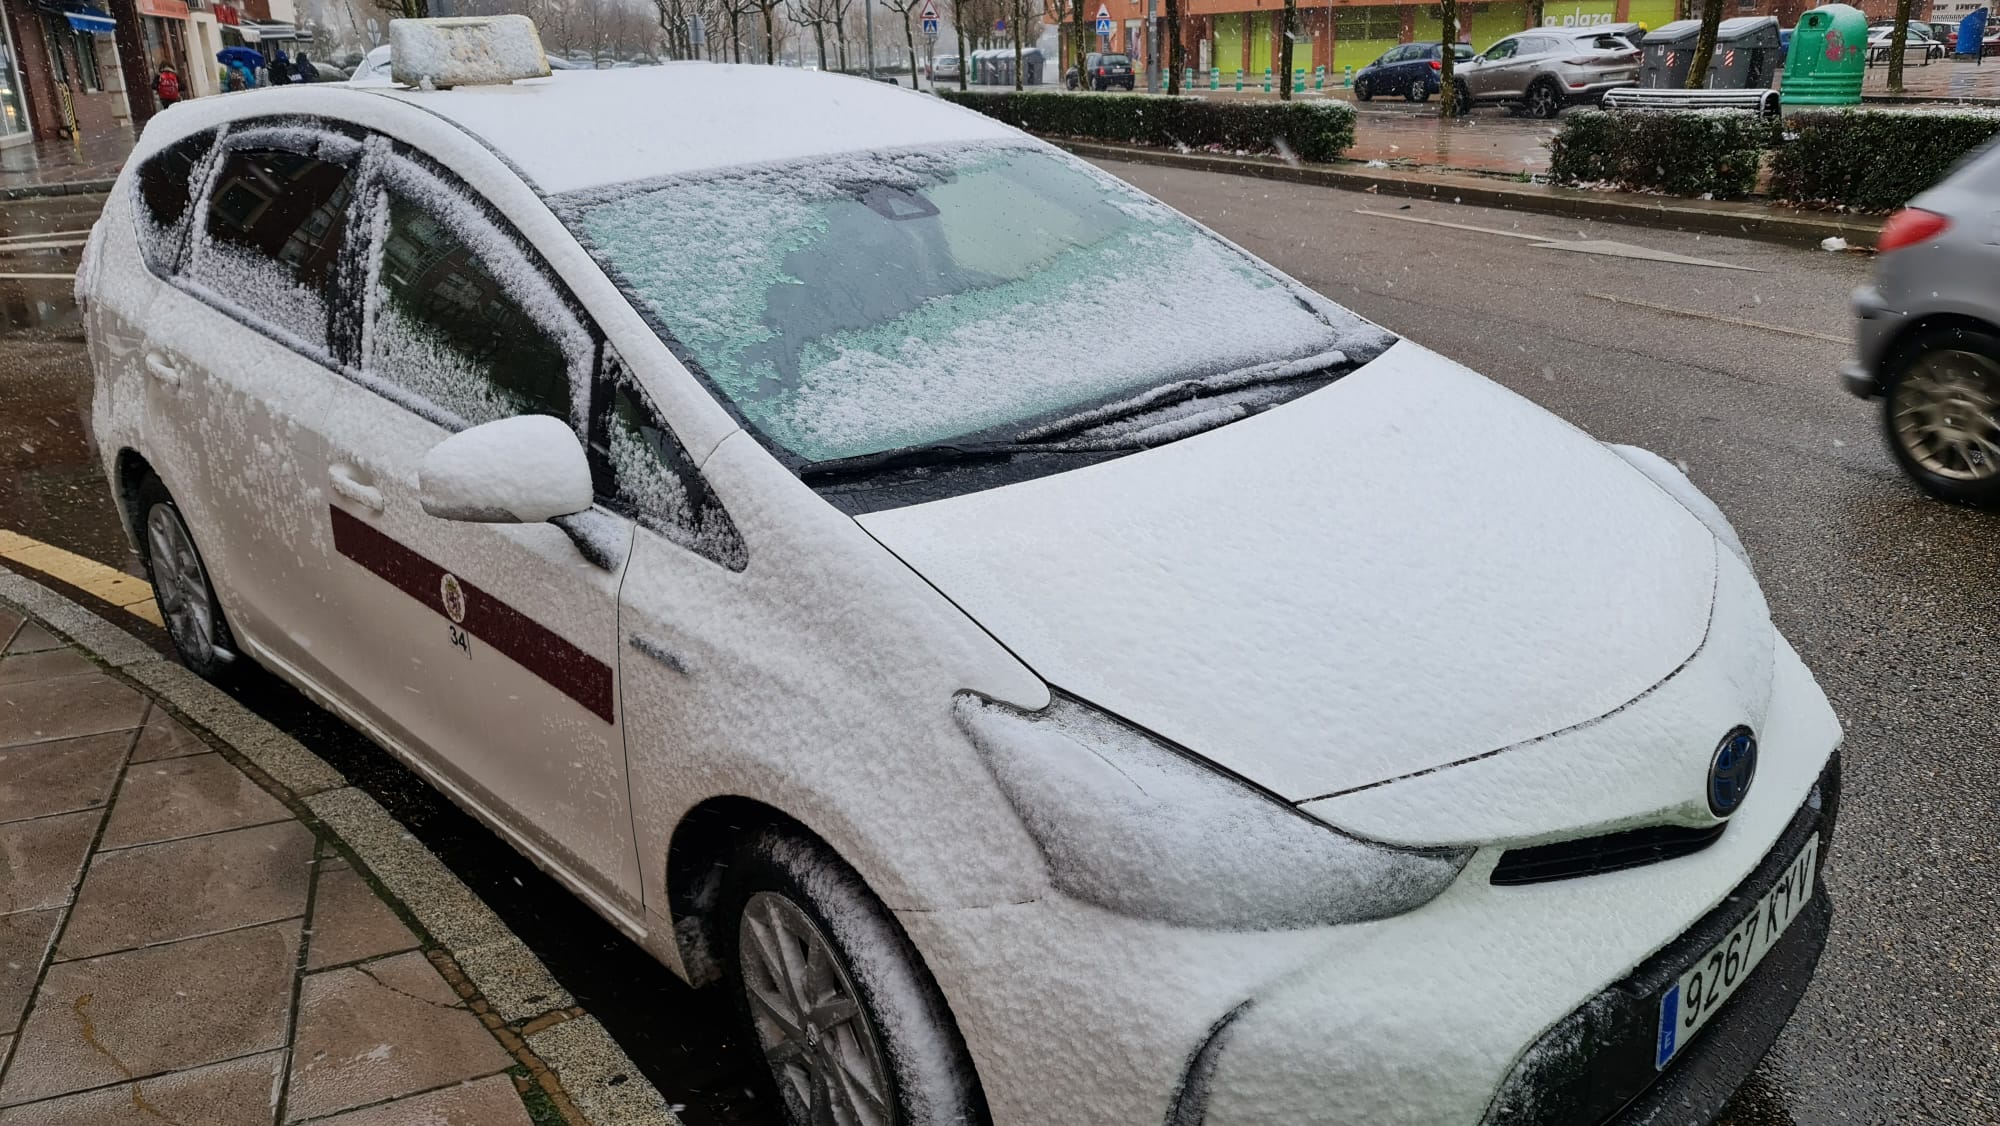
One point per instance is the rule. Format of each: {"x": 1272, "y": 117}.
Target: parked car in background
{"x": 1918, "y": 43}
{"x": 1102, "y": 72}
{"x": 1927, "y": 335}
{"x": 945, "y": 67}
{"x": 1412, "y": 70}
{"x": 1546, "y": 69}
{"x": 1945, "y": 33}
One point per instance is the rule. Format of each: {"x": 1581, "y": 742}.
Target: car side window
{"x": 1502, "y": 50}
{"x": 459, "y": 320}
{"x": 645, "y": 473}
{"x": 271, "y": 239}
{"x": 165, "y": 186}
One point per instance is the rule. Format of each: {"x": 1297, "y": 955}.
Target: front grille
{"x": 1590, "y": 856}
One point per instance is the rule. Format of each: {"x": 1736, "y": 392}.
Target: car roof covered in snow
{"x": 586, "y": 129}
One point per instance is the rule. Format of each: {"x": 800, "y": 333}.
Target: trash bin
{"x": 1829, "y": 55}
{"x": 1746, "y": 54}
{"x": 1667, "y": 54}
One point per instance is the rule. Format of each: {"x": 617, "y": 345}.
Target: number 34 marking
{"x": 459, "y": 639}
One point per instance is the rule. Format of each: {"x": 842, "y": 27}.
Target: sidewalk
{"x": 213, "y": 930}
{"x": 87, "y": 164}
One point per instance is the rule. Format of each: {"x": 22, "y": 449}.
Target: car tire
{"x": 1461, "y": 99}
{"x": 1544, "y": 100}
{"x": 1418, "y": 92}
{"x": 181, "y": 587}
{"x": 785, "y": 894}
{"x": 1361, "y": 91}
{"x": 1941, "y": 413}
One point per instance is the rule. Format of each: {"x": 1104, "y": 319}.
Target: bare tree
{"x": 1289, "y": 32}
{"x": 1899, "y": 39}
{"x": 1175, "y": 58}
{"x": 958, "y": 11}
{"x": 814, "y": 15}
{"x": 1704, "y": 44}
{"x": 904, "y": 8}
{"x": 1448, "y": 23}
{"x": 1081, "y": 43}
{"x": 1016, "y": 16}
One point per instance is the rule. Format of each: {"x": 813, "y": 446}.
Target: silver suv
{"x": 1546, "y": 69}
{"x": 1927, "y": 335}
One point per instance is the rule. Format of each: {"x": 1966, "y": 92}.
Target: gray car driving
{"x": 1546, "y": 69}
{"x": 1927, "y": 335}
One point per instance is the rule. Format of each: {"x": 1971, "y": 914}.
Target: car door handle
{"x": 656, "y": 651}
{"x": 158, "y": 367}
{"x": 367, "y": 496}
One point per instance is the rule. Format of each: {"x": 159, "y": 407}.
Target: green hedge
{"x": 1872, "y": 160}
{"x": 1691, "y": 153}
{"x": 1315, "y": 130}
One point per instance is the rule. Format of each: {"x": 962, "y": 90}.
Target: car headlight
{"x": 1676, "y": 485}
{"x": 1138, "y": 827}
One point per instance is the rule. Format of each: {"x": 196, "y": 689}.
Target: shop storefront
{"x": 165, "y": 25}
{"x": 14, "y": 127}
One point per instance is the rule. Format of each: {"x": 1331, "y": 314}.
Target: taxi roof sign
{"x": 465, "y": 51}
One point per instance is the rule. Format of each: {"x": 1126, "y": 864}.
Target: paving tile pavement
{"x": 176, "y": 945}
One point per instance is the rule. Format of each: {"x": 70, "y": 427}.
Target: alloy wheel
{"x": 1946, "y": 414}
{"x": 180, "y": 583}
{"x": 1542, "y": 101}
{"x": 824, "y": 1053}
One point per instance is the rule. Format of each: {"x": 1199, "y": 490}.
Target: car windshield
{"x": 1115, "y": 60}
{"x": 844, "y": 307}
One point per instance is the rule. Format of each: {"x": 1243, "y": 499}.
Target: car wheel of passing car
{"x": 1418, "y": 92}
{"x": 1941, "y": 413}
{"x": 1361, "y": 91}
{"x": 181, "y": 586}
{"x": 1543, "y": 100}
{"x": 850, "y": 1022}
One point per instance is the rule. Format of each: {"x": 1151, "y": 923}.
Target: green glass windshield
{"x": 851, "y": 306}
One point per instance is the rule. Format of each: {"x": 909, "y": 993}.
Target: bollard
{"x": 1187, "y": 78}
{"x": 1214, "y": 77}
{"x": 1267, "y": 80}
{"x": 1319, "y": 77}
{"x": 1347, "y": 76}
{"x": 1239, "y": 80}
{"x": 1298, "y": 80}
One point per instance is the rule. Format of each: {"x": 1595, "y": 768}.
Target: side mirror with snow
{"x": 520, "y": 470}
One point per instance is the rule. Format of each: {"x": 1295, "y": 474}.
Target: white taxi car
{"x": 711, "y": 477}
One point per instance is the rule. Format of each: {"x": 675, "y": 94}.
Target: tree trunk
{"x": 770, "y": 38}
{"x": 1288, "y": 30}
{"x": 1079, "y": 41}
{"x": 958, "y": 26}
{"x": 1534, "y": 13}
{"x": 910, "y": 40}
{"x": 1898, "y": 40}
{"x": 1175, "y": 59}
{"x": 1704, "y": 45}
{"x": 1447, "y": 85}
{"x": 1014, "y": 24}
{"x": 819, "y": 42}
{"x": 735, "y": 35}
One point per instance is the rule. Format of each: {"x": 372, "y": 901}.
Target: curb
{"x": 46, "y": 191}
{"x": 1744, "y": 220}
{"x": 580, "y": 1070}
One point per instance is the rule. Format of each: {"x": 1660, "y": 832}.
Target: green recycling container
{"x": 1827, "y": 58}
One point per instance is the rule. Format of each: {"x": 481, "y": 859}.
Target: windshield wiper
{"x": 925, "y": 457}
{"x": 1324, "y": 366}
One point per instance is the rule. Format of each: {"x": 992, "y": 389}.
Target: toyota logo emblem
{"x": 1731, "y": 771}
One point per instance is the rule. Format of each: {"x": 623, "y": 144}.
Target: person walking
{"x": 167, "y": 86}
{"x": 281, "y": 69}
{"x": 304, "y": 69}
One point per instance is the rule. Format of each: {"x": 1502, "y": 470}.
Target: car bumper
{"x": 1590, "y": 88}
{"x": 1418, "y": 1020}
{"x": 1875, "y": 326}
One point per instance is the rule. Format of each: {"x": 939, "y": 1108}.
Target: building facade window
{"x": 13, "y": 96}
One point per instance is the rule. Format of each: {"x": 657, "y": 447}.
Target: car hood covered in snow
{"x": 1409, "y": 569}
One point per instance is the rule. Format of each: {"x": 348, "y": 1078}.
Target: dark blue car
{"x": 1410, "y": 70}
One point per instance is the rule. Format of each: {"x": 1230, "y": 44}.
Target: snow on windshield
{"x": 850, "y": 306}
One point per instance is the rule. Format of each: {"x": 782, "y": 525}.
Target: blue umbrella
{"x": 240, "y": 55}
{"x": 1972, "y": 33}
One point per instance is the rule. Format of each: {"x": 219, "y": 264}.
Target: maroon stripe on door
{"x": 523, "y": 640}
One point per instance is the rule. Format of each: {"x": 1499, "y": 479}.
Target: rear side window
{"x": 270, "y": 242}
{"x": 460, "y": 320}
{"x": 166, "y": 185}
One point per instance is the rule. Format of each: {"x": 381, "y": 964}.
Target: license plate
{"x": 1710, "y": 981}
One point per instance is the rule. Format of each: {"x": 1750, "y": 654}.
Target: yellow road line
{"x": 134, "y": 596}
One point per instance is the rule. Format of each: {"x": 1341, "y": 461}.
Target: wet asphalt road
{"x": 1890, "y": 597}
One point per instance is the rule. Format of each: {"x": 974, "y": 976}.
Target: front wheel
{"x": 1543, "y": 101}
{"x": 1361, "y": 91}
{"x": 181, "y": 586}
{"x": 1419, "y": 91}
{"x": 850, "y": 1022}
{"x": 1941, "y": 414}
{"x": 1461, "y": 101}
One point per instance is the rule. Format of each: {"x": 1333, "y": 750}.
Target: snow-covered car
{"x": 1268, "y": 721}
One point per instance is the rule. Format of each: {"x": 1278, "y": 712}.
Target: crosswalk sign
{"x": 1103, "y": 20}
{"x": 930, "y": 17}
